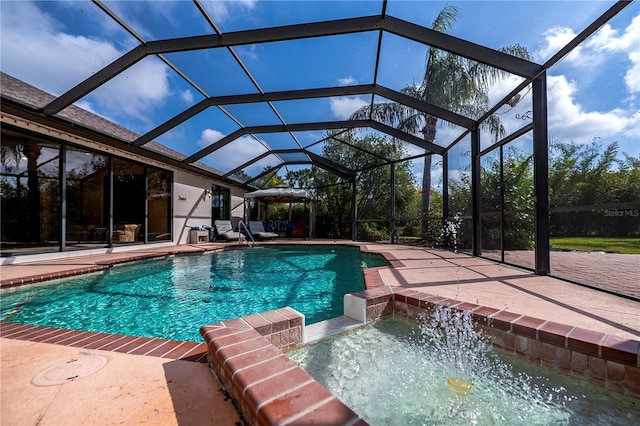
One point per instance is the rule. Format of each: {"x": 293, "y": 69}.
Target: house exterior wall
{"x": 190, "y": 204}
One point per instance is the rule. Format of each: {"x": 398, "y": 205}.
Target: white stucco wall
{"x": 192, "y": 206}
{"x": 237, "y": 203}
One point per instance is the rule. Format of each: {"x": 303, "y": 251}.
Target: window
{"x": 159, "y": 204}
{"x": 87, "y": 196}
{"x": 128, "y": 201}
{"x": 220, "y": 197}
{"x": 38, "y": 178}
{"x": 30, "y": 188}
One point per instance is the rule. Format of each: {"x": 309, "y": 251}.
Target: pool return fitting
{"x": 459, "y": 385}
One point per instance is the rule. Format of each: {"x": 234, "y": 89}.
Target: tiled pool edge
{"x": 246, "y": 354}
{"x": 267, "y": 387}
{"x": 129, "y": 257}
{"x": 161, "y": 348}
{"x": 270, "y": 389}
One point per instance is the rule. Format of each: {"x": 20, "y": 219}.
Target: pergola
{"x": 285, "y": 195}
{"x": 280, "y": 139}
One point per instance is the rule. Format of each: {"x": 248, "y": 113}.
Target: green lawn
{"x": 610, "y": 245}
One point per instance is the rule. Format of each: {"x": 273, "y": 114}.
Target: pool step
{"x": 330, "y": 327}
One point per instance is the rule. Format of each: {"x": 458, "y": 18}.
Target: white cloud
{"x": 458, "y": 175}
{"x": 36, "y": 50}
{"x": 135, "y": 92}
{"x": 344, "y": 106}
{"x": 248, "y": 52}
{"x": 209, "y": 136}
{"x": 221, "y": 10}
{"x": 348, "y": 81}
{"x": 632, "y": 76}
{"x": 631, "y": 42}
{"x": 556, "y": 38}
{"x": 569, "y": 121}
{"x": 187, "y": 96}
{"x": 417, "y": 166}
{"x": 595, "y": 50}
{"x": 436, "y": 175}
{"x": 233, "y": 154}
{"x": 503, "y": 87}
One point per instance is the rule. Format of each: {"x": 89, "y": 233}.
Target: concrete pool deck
{"x": 152, "y": 390}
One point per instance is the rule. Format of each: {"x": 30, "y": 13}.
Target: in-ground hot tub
{"x": 269, "y": 388}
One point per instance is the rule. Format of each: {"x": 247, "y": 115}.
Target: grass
{"x": 609, "y": 245}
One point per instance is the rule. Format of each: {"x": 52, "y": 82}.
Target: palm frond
{"x": 445, "y": 19}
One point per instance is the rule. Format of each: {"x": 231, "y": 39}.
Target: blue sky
{"x": 593, "y": 92}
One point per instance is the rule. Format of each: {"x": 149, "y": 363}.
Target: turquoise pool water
{"x": 173, "y": 297}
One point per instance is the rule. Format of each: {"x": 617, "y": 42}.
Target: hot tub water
{"x": 395, "y": 373}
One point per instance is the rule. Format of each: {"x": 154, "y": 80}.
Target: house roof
{"x": 20, "y": 93}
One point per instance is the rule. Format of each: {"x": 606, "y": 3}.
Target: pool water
{"x": 390, "y": 374}
{"x": 173, "y": 297}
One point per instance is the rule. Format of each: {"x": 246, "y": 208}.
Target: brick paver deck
{"x": 619, "y": 273}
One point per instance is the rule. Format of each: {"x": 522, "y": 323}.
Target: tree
{"x": 507, "y": 201}
{"x": 451, "y": 82}
{"x": 590, "y": 182}
{"x": 373, "y": 199}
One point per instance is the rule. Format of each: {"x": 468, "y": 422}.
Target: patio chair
{"x": 224, "y": 230}
{"x": 257, "y": 229}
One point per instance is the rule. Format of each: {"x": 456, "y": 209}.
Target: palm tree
{"x": 451, "y": 82}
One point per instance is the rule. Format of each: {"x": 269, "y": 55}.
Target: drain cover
{"x": 69, "y": 371}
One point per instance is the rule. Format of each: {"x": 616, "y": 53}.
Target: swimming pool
{"x": 171, "y": 298}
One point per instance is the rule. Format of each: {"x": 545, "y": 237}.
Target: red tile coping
{"x": 268, "y": 387}
{"x": 391, "y": 259}
{"x": 161, "y": 348}
{"x": 10, "y": 282}
{"x": 138, "y": 257}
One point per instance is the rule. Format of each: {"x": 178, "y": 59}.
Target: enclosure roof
{"x": 242, "y": 90}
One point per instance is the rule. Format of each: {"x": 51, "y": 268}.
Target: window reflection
{"x": 34, "y": 190}
{"x": 30, "y": 188}
{"x": 128, "y": 201}
{"x": 220, "y": 207}
{"x": 87, "y": 189}
{"x": 159, "y": 201}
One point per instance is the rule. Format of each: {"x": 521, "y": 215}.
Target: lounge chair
{"x": 224, "y": 230}
{"x": 257, "y": 229}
